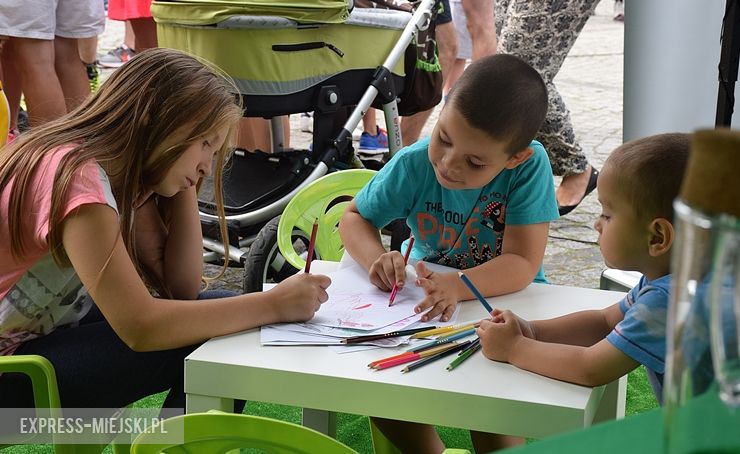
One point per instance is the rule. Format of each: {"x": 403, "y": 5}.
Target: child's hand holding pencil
{"x": 388, "y": 272}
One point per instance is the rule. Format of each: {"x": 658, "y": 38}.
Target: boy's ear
{"x": 661, "y": 236}
{"x": 519, "y": 157}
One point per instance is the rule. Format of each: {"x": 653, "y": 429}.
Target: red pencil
{"x": 394, "y": 290}
{"x": 312, "y": 244}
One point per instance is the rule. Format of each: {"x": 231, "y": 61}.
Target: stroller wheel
{"x": 264, "y": 263}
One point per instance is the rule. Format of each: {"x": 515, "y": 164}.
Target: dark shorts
{"x": 444, "y": 16}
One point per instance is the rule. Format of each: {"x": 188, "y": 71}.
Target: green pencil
{"x": 474, "y": 347}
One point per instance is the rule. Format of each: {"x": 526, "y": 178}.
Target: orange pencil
{"x": 312, "y": 244}
{"x": 405, "y": 261}
{"x": 403, "y": 359}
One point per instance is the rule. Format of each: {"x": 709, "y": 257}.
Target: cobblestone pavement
{"x": 590, "y": 82}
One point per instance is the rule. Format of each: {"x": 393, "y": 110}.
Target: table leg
{"x": 195, "y": 403}
{"x": 613, "y": 401}
{"x": 321, "y": 420}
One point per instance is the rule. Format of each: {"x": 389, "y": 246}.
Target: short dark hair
{"x": 504, "y": 97}
{"x": 650, "y": 171}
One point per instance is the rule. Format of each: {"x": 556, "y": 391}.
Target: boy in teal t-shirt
{"x": 478, "y": 195}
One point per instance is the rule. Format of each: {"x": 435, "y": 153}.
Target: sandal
{"x": 563, "y": 210}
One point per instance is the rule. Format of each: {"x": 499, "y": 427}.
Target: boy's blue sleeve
{"x": 532, "y": 193}
{"x": 387, "y": 196}
{"x": 641, "y": 335}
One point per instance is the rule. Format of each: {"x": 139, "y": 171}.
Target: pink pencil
{"x": 394, "y": 290}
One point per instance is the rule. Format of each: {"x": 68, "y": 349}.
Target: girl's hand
{"x": 388, "y": 270}
{"x": 497, "y": 338}
{"x": 297, "y": 298}
{"x": 441, "y": 291}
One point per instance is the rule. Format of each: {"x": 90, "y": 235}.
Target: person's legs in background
{"x": 550, "y": 32}
{"x": 145, "y": 31}
{"x": 71, "y": 72}
{"x": 11, "y": 86}
{"x": 372, "y": 137}
{"x": 34, "y": 59}
{"x": 75, "y": 19}
{"x": 88, "y": 49}
{"x": 412, "y": 125}
{"x": 255, "y": 134}
{"x": 479, "y": 22}
{"x": 464, "y": 47}
{"x": 121, "y": 54}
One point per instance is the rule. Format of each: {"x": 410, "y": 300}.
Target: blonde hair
{"x": 159, "y": 94}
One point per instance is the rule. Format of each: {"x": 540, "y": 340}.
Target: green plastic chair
{"x": 46, "y": 395}
{"x": 217, "y": 432}
{"x": 324, "y": 199}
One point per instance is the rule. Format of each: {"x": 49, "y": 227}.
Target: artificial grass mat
{"x": 354, "y": 430}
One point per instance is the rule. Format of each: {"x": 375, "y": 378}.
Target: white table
{"x": 480, "y": 394}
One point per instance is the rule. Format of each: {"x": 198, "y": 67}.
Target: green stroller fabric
{"x": 205, "y": 12}
{"x": 275, "y": 55}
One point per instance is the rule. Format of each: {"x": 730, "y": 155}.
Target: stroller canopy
{"x": 205, "y": 12}
{"x": 277, "y": 49}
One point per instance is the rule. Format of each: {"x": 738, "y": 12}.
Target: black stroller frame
{"x": 257, "y": 186}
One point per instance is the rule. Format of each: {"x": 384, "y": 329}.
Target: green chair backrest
{"x": 217, "y": 432}
{"x": 46, "y": 395}
{"x": 324, "y": 199}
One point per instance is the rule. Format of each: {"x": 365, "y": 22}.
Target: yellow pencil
{"x": 444, "y": 329}
{"x": 458, "y": 330}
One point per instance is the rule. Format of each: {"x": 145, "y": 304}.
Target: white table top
{"x": 480, "y": 394}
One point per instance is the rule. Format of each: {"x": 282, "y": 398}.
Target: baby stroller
{"x": 290, "y": 57}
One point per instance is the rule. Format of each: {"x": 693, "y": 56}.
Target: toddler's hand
{"x": 388, "y": 270}
{"x": 498, "y": 337}
{"x": 299, "y": 297}
{"x": 440, "y": 289}
{"x": 525, "y": 326}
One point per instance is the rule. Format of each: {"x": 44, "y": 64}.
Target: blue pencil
{"x": 443, "y": 340}
{"x": 475, "y": 292}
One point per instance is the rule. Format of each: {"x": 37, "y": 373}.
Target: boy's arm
{"x": 361, "y": 239}
{"x": 588, "y": 366}
{"x": 520, "y": 260}
{"x": 583, "y": 328}
{"x": 590, "y": 363}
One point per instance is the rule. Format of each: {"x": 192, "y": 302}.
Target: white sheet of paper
{"x": 357, "y": 304}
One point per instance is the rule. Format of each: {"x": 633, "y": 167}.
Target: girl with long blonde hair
{"x": 101, "y": 206}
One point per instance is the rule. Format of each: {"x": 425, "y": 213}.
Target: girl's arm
{"x": 171, "y": 248}
{"x": 145, "y": 323}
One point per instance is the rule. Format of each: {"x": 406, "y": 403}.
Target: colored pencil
{"x": 475, "y": 291}
{"x": 312, "y": 244}
{"x": 467, "y": 353}
{"x": 382, "y": 360}
{"x": 412, "y": 357}
{"x": 442, "y": 340}
{"x": 394, "y": 290}
{"x": 464, "y": 329}
{"x": 371, "y": 337}
{"x": 443, "y": 329}
{"x": 432, "y": 358}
